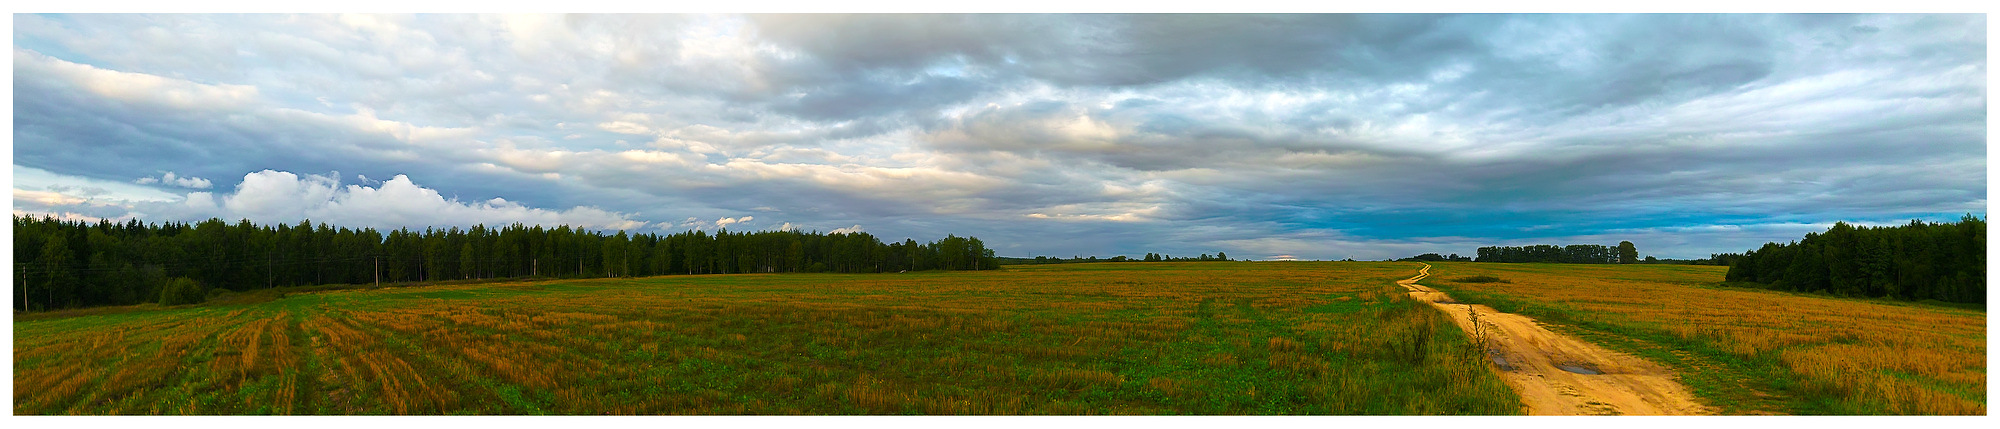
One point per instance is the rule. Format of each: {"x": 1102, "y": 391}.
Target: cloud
{"x": 42, "y": 191}
{"x": 719, "y": 223}
{"x": 725, "y": 222}
{"x": 168, "y": 178}
{"x": 1316, "y": 136}
{"x": 23, "y": 197}
{"x": 283, "y": 197}
{"x": 136, "y": 89}
{"x": 847, "y": 230}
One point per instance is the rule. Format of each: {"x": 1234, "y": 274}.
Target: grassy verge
{"x": 1731, "y": 383}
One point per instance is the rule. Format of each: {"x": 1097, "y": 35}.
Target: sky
{"x": 1264, "y": 136}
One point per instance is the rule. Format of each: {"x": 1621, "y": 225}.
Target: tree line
{"x": 1624, "y": 253}
{"x": 1433, "y": 257}
{"x": 1915, "y": 261}
{"x": 66, "y": 264}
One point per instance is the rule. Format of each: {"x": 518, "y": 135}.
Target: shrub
{"x": 1481, "y": 279}
{"x": 182, "y": 290}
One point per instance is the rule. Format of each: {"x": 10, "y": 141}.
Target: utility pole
{"x": 536, "y": 270}
{"x": 378, "y": 271}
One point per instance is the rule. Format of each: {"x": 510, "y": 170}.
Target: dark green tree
{"x": 1913, "y": 261}
{"x": 183, "y": 291}
{"x": 59, "y": 277}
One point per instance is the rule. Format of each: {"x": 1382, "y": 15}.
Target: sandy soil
{"x": 1533, "y": 359}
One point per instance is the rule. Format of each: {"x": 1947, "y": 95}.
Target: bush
{"x": 1481, "y": 279}
{"x": 181, "y": 291}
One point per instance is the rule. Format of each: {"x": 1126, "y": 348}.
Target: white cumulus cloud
{"x": 170, "y": 179}
{"x": 723, "y": 222}
{"x": 278, "y": 196}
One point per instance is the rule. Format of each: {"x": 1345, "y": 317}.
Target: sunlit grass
{"x": 1754, "y": 350}
{"x": 1160, "y": 338}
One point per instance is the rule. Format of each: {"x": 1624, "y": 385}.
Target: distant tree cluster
{"x": 1150, "y": 257}
{"x": 1571, "y": 254}
{"x": 61, "y": 264}
{"x": 1720, "y": 259}
{"x": 1916, "y": 261}
{"x": 1433, "y": 257}
{"x": 1155, "y": 257}
{"x": 1714, "y": 259}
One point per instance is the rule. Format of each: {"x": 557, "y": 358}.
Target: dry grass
{"x": 1163, "y": 338}
{"x": 1863, "y": 356}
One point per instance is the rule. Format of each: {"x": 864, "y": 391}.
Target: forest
{"x": 68, "y": 264}
{"x": 1914, "y": 261}
{"x": 1433, "y": 257}
{"x": 1572, "y": 254}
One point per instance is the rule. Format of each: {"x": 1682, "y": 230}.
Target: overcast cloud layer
{"x": 1309, "y": 136}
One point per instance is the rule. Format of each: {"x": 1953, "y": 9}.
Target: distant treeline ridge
{"x": 60, "y": 264}
{"x": 1570, "y": 254}
{"x": 1915, "y": 261}
{"x": 1150, "y": 257}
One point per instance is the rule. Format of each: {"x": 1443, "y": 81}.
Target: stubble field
{"x": 1751, "y": 351}
{"x": 1133, "y": 338}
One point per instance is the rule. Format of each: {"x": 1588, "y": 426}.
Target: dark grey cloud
{"x": 1318, "y": 136}
{"x": 870, "y": 42}
{"x": 870, "y": 98}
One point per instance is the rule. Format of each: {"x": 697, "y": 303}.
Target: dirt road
{"x": 1559, "y": 375}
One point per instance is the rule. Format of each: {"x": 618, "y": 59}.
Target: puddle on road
{"x": 1578, "y": 369}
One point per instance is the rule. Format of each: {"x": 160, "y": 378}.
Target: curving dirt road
{"x": 1559, "y": 375}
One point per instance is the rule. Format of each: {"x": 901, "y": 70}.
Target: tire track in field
{"x": 1557, "y": 374}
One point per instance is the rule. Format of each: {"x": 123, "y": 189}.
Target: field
{"x": 1153, "y": 338}
{"x": 1752, "y": 351}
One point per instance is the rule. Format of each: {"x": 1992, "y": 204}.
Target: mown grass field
{"x": 1752, "y": 351}
{"x": 1152, "y": 338}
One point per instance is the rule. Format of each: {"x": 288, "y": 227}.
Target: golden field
{"x": 1750, "y": 350}
{"x": 1109, "y": 338}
